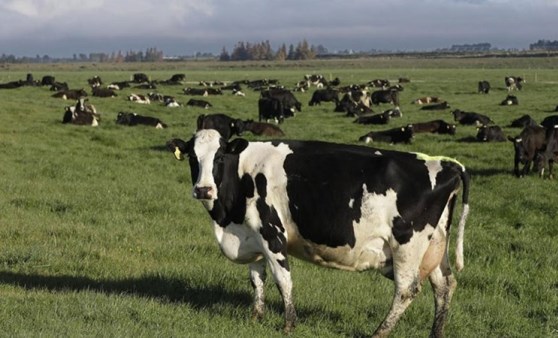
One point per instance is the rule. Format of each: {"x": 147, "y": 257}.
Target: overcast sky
{"x": 61, "y": 28}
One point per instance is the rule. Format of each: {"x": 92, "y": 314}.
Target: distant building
{"x": 544, "y": 45}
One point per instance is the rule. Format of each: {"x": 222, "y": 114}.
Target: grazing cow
{"x": 426, "y": 100}
{"x": 513, "y": 82}
{"x": 103, "y": 92}
{"x": 550, "y": 121}
{"x": 379, "y": 83}
{"x": 140, "y": 78}
{"x": 287, "y": 98}
{"x": 531, "y": 140}
{"x": 549, "y": 155}
{"x": 523, "y": 122}
{"x": 199, "y": 103}
{"x": 382, "y": 118}
{"x": 327, "y": 95}
{"x": 490, "y": 134}
{"x": 139, "y": 98}
{"x": 393, "y": 136}
{"x": 133, "y": 119}
{"x": 272, "y": 108}
{"x": 262, "y": 128}
{"x": 434, "y": 126}
{"x": 336, "y": 205}
{"x": 385, "y": 96}
{"x": 81, "y": 113}
{"x": 469, "y": 118}
{"x": 225, "y": 125}
{"x": 70, "y": 94}
{"x": 436, "y": 106}
{"x": 484, "y": 87}
{"x": 510, "y": 100}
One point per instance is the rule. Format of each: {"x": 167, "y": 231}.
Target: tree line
{"x": 247, "y": 51}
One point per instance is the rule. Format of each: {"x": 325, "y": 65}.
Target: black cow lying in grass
{"x": 490, "y": 134}
{"x": 133, "y": 119}
{"x": 434, "y": 126}
{"x": 510, "y": 100}
{"x": 395, "y": 135}
{"x": 470, "y": 118}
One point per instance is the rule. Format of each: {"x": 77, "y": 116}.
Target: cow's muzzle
{"x": 203, "y": 193}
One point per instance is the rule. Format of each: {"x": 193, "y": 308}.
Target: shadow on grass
{"x": 206, "y": 297}
{"x": 157, "y": 287}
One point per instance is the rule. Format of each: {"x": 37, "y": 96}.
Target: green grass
{"x": 100, "y": 236}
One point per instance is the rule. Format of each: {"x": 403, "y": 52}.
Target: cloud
{"x": 48, "y": 9}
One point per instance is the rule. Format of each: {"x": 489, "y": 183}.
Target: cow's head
{"x": 212, "y": 161}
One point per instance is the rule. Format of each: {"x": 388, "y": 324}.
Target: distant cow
{"x": 118, "y": 85}
{"x": 530, "y": 141}
{"x": 81, "y": 113}
{"x": 47, "y": 80}
{"x": 379, "y": 83}
{"x": 58, "y": 86}
{"x": 287, "y": 98}
{"x": 103, "y": 92}
{"x": 484, "y": 87}
{"x": 95, "y": 81}
{"x": 513, "y": 83}
{"x": 470, "y": 118}
{"x": 385, "y": 96}
{"x": 436, "y": 106}
{"x": 70, "y": 94}
{"x": 490, "y": 134}
{"x": 434, "y": 126}
{"x": 133, "y": 119}
{"x": 382, "y": 118}
{"x": 509, "y": 101}
{"x": 140, "y": 78}
{"x": 199, "y": 103}
{"x": 395, "y": 135}
{"x": 139, "y": 98}
{"x": 523, "y": 122}
{"x": 262, "y": 128}
{"x": 224, "y": 124}
{"x": 195, "y": 91}
{"x": 324, "y": 95}
{"x": 270, "y": 108}
{"x": 426, "y": 100}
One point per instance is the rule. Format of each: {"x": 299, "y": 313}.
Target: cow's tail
{"x": 461, "y": 226}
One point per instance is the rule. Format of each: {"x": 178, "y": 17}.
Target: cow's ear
{"x": 236, "y": 146}
{"x": 179, "y": 147}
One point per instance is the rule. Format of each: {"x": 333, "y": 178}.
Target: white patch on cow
{"x": 377, "y": 152}
{"x": 238, "y": 242}
{"x": 159, "y": 126}
{"x": 351, "y": 202}
{"x": 433, "y": 167}
{"x": 94, "y": 123}
{"x": 206, "y": 146}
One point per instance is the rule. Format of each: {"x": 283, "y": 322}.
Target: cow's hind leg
{"x": 257, "y": 279}
{"x": 443, "y": 284}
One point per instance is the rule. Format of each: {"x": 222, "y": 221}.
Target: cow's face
{"x": 211, "y": 162}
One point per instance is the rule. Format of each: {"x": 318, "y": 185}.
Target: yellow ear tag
{"x": 178, "y": 154}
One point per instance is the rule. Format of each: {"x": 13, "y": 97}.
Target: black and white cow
{"x": 550, "y": 121}
{"x": 324, "y": 95}
{"x": 434, "y": 126}
{"x": 139, "y": 98}
{"x": 523, "y": 122}
{"x": 393, "y": 136}
{"x": 133, "y": 119}
{"x": 336, "y": 205}
{"x": 436, "y": 106}
{"x": 513, "y": 82}
{"x": 287, "y": 98}
{"x": 490, "y": 134}
{"x": 82, "y": 113}
{"x": 510, "y": 100}
{"x": 484, "y": 87}
{"x": 426, "y": 100}
{"x": 549, "y": 155}
{"x": 272, "y": 108}
{"x": 381, "y": 118}
{"x": 390, "y": 95}
{"x": 199, "y": 103}
{"x": 70, "y": 94}
{"x": 469, "y": 118}
{"x": 103, "y": 92}
{"x": 225, "y": 125}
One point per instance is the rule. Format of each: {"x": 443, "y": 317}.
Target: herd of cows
{"x": 343, "y": 206}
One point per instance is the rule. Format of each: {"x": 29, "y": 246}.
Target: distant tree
{"x": 224, "y": 56}
{"x": 281, "y": 54}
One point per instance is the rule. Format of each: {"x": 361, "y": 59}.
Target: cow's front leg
{"x": 279, "y": 266}
{"x": 257, "y": 279}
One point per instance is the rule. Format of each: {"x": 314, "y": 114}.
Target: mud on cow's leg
{"x": 257, "y": 279}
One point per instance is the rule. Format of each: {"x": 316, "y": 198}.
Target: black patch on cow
{"x": 272, "y": 229}
{"x": 284, "y": 263}
{"x": 402, "y": 231}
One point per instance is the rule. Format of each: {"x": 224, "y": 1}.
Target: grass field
{"x": 100, "y": 236}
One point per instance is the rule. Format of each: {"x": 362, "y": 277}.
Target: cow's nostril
{"x": 202, "y": 193}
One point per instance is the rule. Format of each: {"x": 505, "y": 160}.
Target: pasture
{"x": 100, "y": 235}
